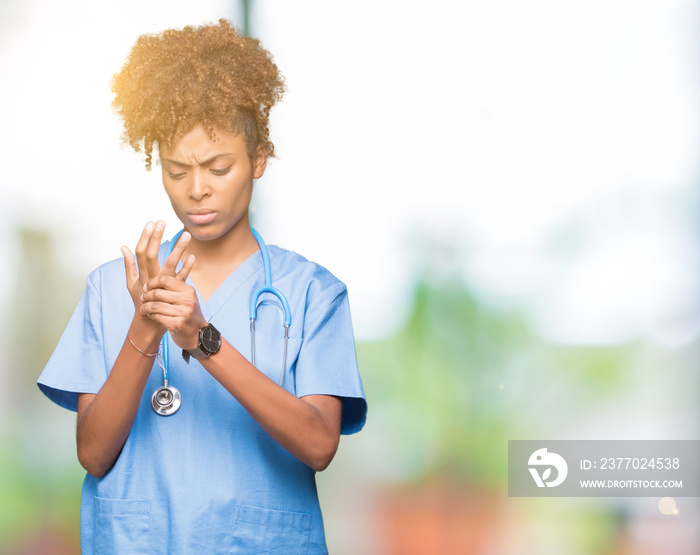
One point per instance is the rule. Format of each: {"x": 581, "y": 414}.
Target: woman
{"x": 221, "y": 457}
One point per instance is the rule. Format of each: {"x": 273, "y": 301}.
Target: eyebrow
{"x": 205, "y": 163}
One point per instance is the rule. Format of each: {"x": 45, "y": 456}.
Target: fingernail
{"x": 159, "y": 225}
{"x": 145, "y": 287}
{"x": 149, "y": 226}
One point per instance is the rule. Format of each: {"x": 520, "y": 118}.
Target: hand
{"x": 164, "y": 297}
{"x": 148, "y": 267}
{"x": 172, "y": 303}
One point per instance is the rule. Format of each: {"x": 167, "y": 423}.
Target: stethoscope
{"x": 166, "y": 399}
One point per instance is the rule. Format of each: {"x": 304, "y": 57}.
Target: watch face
{"x": 211, "y": 339}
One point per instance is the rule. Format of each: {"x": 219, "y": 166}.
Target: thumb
{"x": 132, "y": 273}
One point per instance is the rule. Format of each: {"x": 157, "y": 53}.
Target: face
{"x": 210, "y": 182}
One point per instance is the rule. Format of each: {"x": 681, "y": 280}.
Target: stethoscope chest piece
{"x": 166, "y": 400}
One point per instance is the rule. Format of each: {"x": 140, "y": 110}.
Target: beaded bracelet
{"x": 139, "y": 350}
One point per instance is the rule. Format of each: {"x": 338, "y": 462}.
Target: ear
{"x": 260, "y": 163}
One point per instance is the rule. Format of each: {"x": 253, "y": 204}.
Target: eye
{"x": 222, "y": 171}
{"x": 176, "y": 175}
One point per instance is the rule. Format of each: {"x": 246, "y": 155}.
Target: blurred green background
{"x": 510, "y": 193}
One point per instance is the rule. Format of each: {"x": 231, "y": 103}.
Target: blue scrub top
{"x": 209, "y": 479}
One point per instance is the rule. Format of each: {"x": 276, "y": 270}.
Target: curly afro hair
{"x": 210, "y": 75}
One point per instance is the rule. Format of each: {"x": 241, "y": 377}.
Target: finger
{"x": 166, "y": 321}
{"x": 132, "y": 273}
{"x": 174, "y": 326}
{"x": 175, "y": 323}
{"x": 162, "y": 295}
{"x": 152, "y": 262}
{"x": 163, "y": 309}
{"x": 171, "y": 262}
{"x": 171, "y": 283}
{"x": 186, "y": 268}
{"x": 141, "y": 247}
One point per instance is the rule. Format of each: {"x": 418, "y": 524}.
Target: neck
{"x": 232, "y": 248}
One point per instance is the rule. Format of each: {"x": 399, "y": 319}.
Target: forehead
{"x": 196, "y": 145}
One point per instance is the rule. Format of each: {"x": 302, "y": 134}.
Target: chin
{"x": 204, "y": 235}
{"x": 206, "y": 232}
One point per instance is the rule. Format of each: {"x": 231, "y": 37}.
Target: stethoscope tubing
{"x": 268, "y": 288}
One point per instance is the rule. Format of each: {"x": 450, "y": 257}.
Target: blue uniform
{"x": 209, "y": 479}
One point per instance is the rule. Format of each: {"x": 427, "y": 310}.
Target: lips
{"x": 201, "y": 216}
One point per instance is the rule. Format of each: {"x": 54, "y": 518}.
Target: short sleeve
{"x": 327, "y": 363}
{"x": 78, "y": 362}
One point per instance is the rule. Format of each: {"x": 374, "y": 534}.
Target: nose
{"x": 199, "y": 187}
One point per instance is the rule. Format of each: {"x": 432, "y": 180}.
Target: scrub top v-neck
{"x": 229, "y": 286}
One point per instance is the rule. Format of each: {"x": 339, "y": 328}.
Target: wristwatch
{"x": 209, "y": 343}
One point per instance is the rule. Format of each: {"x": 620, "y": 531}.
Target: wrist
{"x": 145, "y": 336}
{"x": 208, "y": 343}
{"x": 194, "y": 336}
